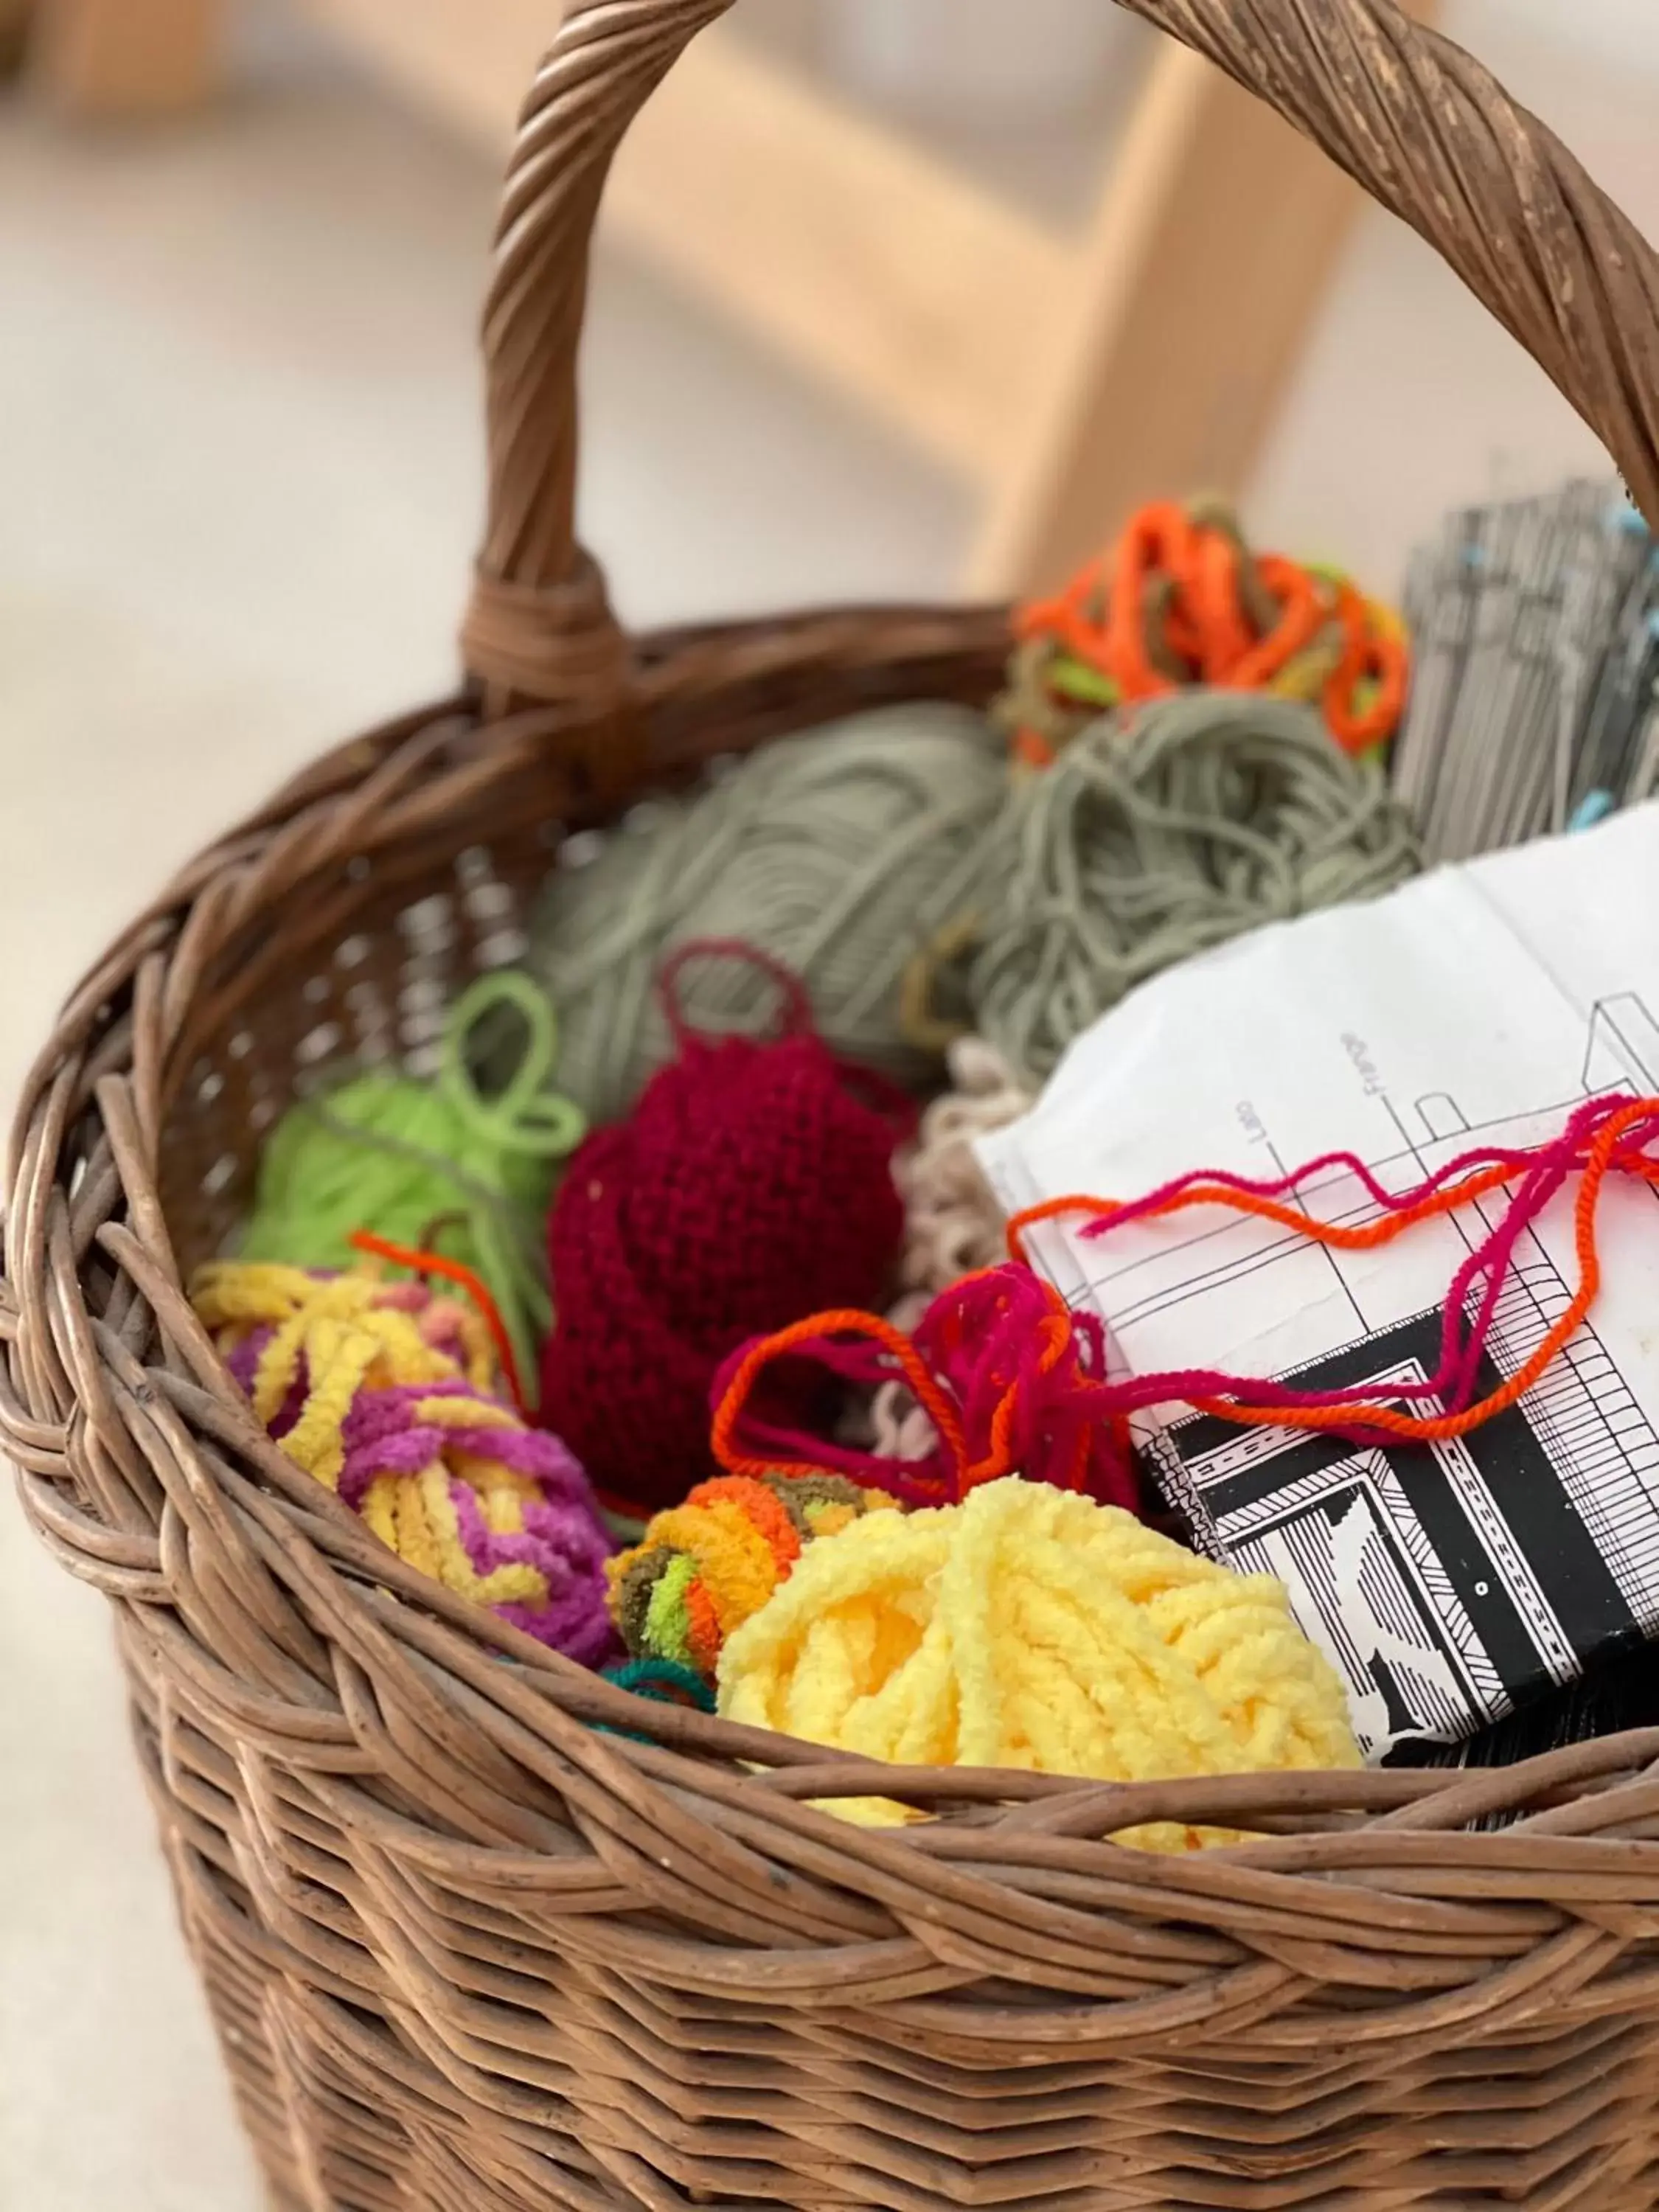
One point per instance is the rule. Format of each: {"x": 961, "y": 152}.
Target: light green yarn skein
{"x": 842, "y": 852}
{"x": 439, "y": 1165}
{"x": 1159, "y": 833}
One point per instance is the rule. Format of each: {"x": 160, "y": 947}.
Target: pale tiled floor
{"x": 240, "y": 466}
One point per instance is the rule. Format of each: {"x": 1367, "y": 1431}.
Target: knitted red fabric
{"x": 751, "y": 1185}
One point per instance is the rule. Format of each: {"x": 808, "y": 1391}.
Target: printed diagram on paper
{"x": 1447, "y": 1582}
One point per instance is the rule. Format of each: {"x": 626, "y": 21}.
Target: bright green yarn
{"x": 441, "y": 1165}
{"x": 842, "y": 852}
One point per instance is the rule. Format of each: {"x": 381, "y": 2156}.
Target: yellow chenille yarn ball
{"x": 1031, "y": 1628}
{"x": 385, "y": 1393}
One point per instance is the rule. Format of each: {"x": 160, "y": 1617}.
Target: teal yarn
{"x": 666, "y": 1681}
{"x": 1159, "y": 834}
{"x": 439, "y": 1165}
{"x": 660, "y": 1682}
{"x": 840, "y": 852}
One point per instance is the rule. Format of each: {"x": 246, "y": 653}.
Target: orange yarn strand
{"x": 1600, "y": 1158}
{"x": 845, "y": 1322}
{"x": 451, "y": 1271}
{"x": 1366, "y": 1239}
{"x": 1443, "y": 1427}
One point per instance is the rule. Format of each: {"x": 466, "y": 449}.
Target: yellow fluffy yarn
{"x": 382, "y": 1391}
{"x": 351, "y": 1331}
{"x": 1031, "y": 1628}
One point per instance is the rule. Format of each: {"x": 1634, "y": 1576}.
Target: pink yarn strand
{"x": 1029, "y": 1377}
{"x": 1546, "y": 1169}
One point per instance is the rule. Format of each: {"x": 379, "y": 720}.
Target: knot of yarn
{"x": 1028, "y": 1629}
{"x": 383, "y": 1393}
{"x": 1180, "y": 601}
{"x": 840, "y": 852}
{"x": 1155, "y": 836}
{"x": 1012, "y": 1381}
{"x": 546, "y": 642}
{"x": 440, "y": 1163}
{"x": 705, "y": 1566}
{"x": 750, "y": 1181}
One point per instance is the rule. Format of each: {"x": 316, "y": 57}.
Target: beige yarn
{"x": 953, "y": 1224}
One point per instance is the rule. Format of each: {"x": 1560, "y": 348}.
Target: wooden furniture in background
{"x": 111, "y": 58}
{"x": 1068, "y": 377}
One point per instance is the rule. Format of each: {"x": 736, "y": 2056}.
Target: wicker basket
{"x": 467, "y": 1951}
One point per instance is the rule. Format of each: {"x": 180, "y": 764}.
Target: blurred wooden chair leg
{"x": 1214, "y": 244}
{"x": 1212, "y": 249}
{"x": 14, "y": 35}
{"x": 116, "y": 57}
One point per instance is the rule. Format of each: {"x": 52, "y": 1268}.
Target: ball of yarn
{"x": 952, "y": 1222}
{"x": 384, "y": 1393}
{"x": 1030, "y": 1629}
{"x": 751, "y": 1182}
{"x": 704, "y": 1567}
{"x": 840, "y": 852}
{"x": 1010, "y": 1379}
{"x": 1158, "y": 835}
{"x": 438, "y": 1163}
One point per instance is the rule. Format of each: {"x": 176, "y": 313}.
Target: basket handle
{"x": 1414, "y": 118}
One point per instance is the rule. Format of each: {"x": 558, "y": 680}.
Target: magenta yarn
{"x": 1028, "y": 1385}
{"x": 991, "y": 1343}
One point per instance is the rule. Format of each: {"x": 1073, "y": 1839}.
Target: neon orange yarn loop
{"x": 846, "y": 1322}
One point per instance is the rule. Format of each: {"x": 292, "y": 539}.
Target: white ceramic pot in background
{"x": 975, "y": 60}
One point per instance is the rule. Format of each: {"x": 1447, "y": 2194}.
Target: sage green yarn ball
{"x": 1161, "y": 832}
{"x": 840, "y": 852}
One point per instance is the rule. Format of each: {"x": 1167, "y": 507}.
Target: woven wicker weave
{"x": 468, "y": 1952}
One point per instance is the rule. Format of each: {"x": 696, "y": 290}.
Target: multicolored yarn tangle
{"x": 1011, "y": 1380}
{"x": 1159, "y": 834}
{"x": 706, "y": 1566}
{"x": 1028, "y": 1629}
{"x": 839, "y": 852}
{"x": 384, "y": 1393}
{"x": 751, "y": 1181}
{"x": 1608, "y": 1136}
{"x": 436, "y": 1164}
{"x": 1181, "y": 601}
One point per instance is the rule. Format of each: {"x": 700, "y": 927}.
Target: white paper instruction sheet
{"x": 1479, "y": 1004}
